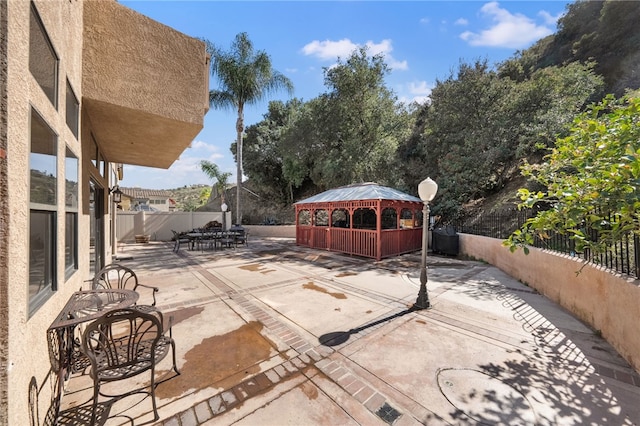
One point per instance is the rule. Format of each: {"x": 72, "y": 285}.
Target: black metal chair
{"x": 179, "y": 239}
{"x": 124, "y": 343}
{"x": 119, "y": 276}
{"x": 241, "y": 238}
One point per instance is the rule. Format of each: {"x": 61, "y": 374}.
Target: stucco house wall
{"x": 607, "y": 302}
{"x": 28, "y": 353}
{"x": 177, "y": 110}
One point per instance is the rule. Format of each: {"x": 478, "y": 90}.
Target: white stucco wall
{"x": 28, "y": 352}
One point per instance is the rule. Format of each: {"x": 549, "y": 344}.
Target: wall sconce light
{"x": 116, "y": 194}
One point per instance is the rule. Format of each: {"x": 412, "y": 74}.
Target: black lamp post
{"x": 224, "y": 209}
{"x": 427, "y": 191}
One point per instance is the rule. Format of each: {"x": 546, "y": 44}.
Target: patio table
{"x": 225, "y": 238}
{"x": 82, "y": 306}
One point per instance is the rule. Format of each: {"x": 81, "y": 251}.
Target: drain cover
{"x": 388, "y": 413}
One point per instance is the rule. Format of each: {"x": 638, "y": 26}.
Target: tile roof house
{"x": 86, "y": 86}
{"x": 134, "y": 199}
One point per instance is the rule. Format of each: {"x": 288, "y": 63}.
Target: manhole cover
{"x": 388, "y": 413}
{"x": 484, "y": 398}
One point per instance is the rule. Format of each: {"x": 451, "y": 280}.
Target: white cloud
{"x": 424, "y": 21}
{"x": 420, "y": 91}
{"x": 184, "y": 171}
{"x": 329, "y": 50}
{"x": 420, "y": 88}
{"x": 332, "y": 50}
{"x": 462, "y": 22}
{"x": 510, "y": 30}
{"x": 548, "y": 18}
{"x": 201, "y": 145}
{"x": 415, "y": 91}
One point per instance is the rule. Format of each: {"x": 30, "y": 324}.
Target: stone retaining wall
{"x": 607, "y": 302}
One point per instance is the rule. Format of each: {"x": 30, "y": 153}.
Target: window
{"x": 102, "y": 165}
{"x": 42, "y": 215}
{"x": 340, "y": 218}
{"x": 406, "y": 218}
{"x": 304, "y": 218}
{"x": 322, "y": 218}
{"x": 364, "y": 218}
{"x": 43, "y": 61}
{"x": 389, "y": 218}
{"x": 71, "y": 214}
{"x": 72, "y": 110}
{"x": 93, "y": 154}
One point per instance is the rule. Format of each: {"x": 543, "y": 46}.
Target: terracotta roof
{"x": 360, "y": 191}
{"x": 145, "y": 193}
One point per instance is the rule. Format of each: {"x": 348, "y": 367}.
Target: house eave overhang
{"x": 144, "y": 85}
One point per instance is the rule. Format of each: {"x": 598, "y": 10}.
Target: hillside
{"x": 188, "y": 198}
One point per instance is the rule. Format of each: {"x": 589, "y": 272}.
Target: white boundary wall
{"x": 158, "y": 225}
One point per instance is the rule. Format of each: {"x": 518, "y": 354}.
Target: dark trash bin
{"x": 445, "y": 241}
{"x": 236, "y": 228}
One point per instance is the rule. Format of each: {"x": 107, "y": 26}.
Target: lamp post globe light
{"x": 224, "y": 209}
{"x": 427, "y": 191}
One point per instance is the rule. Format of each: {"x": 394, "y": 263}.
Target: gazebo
{"x": 363, "y": 219}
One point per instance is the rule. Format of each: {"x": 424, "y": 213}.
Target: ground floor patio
{"x": 275, "y": 334}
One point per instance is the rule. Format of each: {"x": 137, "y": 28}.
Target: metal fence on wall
{"x": 621, "y": 256}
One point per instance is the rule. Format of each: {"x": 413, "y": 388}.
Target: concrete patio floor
{"x": 274, "y": 334}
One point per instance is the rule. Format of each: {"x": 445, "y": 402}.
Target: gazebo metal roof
{"x": 360, "y": 191}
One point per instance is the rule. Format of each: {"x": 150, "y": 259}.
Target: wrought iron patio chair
{"x": 179, "y": 239}
{"x": 119, "y": 276}
{"x": 125, "y": 343}
{"x": 208, "y": 239}
{"x": 241, "y": 238}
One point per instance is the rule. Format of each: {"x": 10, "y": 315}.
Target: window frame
{"x": 50, "y": 93}
{"x": 71, "y": 212}
{"x": 74, "y": 115}
{"x": 42, "y": 206}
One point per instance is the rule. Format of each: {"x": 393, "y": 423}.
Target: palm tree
{"x": 245, "y": 77}
{"x": 213, "y": 172}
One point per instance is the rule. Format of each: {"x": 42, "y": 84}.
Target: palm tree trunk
{"x": 239, "y": 130}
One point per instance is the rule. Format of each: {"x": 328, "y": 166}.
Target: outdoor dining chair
{"x": 119, "y": 276}
{"x": 241, "y": 238}
{"x": 179, "y": 239}
{"x": 125, "y": 343}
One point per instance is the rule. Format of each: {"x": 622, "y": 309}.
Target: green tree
{"x": 349, "y": 134}
{"x": 263, "y": 157}
{"x": 479, "y": 126}
{"x": 363, "y": 123}
{"x": 592, "y": 178}
{"x": 221, "y": 179}
{"x": 245, "y": 77}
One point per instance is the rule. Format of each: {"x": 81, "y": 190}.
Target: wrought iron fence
{"x": 621, "y": 256}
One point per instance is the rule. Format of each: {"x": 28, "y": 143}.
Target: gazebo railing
{"x": 399, "y": 241}
{"x": 360, "y": 242}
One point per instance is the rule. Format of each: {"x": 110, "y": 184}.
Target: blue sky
{"x": 422, "y": 41}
